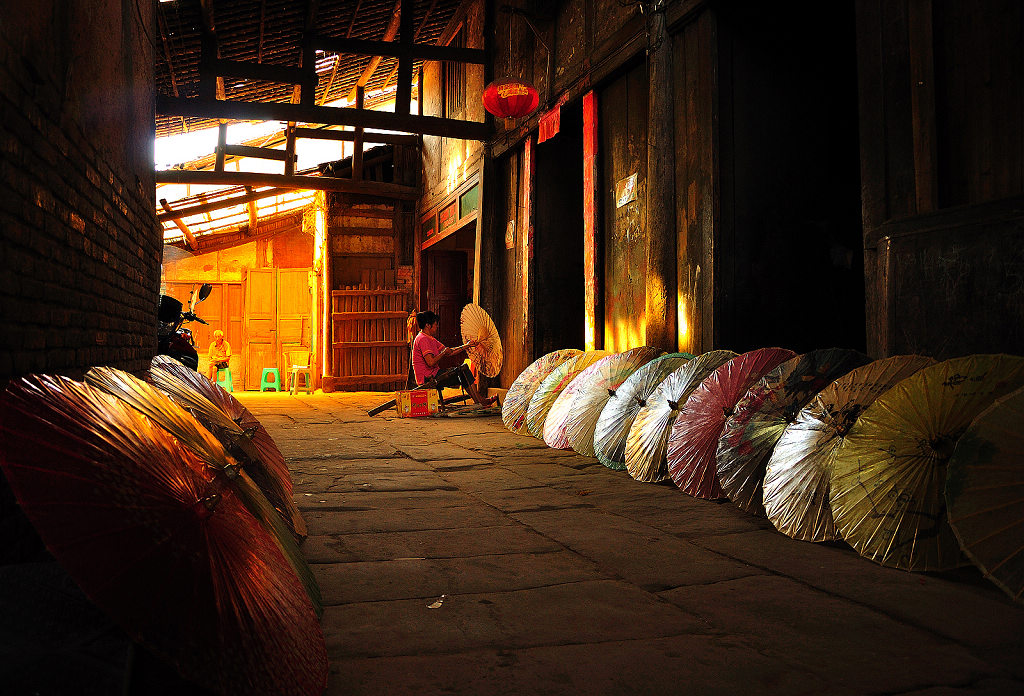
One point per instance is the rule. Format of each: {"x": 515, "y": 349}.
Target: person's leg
{"x": 466, "y": 379}
{"x": 211, "y": 371}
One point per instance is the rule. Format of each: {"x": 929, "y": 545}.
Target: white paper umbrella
{"x": 618, "y": 414}
{"x": 552, "y": 386}
{"x": 517, "y": 399}
{"x": 477, "y": 326}
{"x": 647, "y": 443}
{"x": 796, "y": 489}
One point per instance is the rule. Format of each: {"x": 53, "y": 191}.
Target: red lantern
{"x": 510, "y": 98}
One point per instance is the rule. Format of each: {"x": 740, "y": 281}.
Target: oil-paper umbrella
{"x": 985, "y": 493}
{"x": 241, "y": 433}
{"x": 569, "y": 404}
{"x": 647, "y": 443}
{"x": 478, "y": 326}
{"x": 517, "y": 399}
{"x": 762, "y": 415}
{"x": 161, "y": 410}
{"x": 694, "y": 438}
{"x": 593, "y": 396}
{"x": 796, "y": 489}
{"x": 552, "y": 386}
{"x": 618, "y": 414}
{"x": 889, "y": 474}
{"x": 159, "y": 541}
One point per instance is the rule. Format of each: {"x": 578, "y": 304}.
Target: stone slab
{"x": 368, "y": 500}
{"x": 449, "y": 543}
{"x": 360, "y": 519}
{"x": 533, "y": 499}
{"x": 438, "y": 452}
{"x": 487, "y": 479}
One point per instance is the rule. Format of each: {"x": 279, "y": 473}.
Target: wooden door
{"x": 294, "y": 311}
{"x": 447, "y": 292}
{"x": 221, "y": 310}
{"x": 260, "y": 324}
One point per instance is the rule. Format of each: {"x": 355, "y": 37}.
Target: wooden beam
{"x": 311, "y": 79}
{"x": 258, "y": 152}
{"x": 251, "y": 195}
{"x": 396, "y": 49}
{"x": 403, "y": 91}
{"x": 258, "y": 71}
{"x": 349, "y": 136}
{"x": 253, "y": 214}
{"x": 190, "y": 239}
{"x": 337, "y": 58}
{"x": 357, "y": 146}
{"x": 295, "y": 181}
{"x": 326, "y": 115}
{"x": 389, "y": 35}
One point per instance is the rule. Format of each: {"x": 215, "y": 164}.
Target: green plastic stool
{"x": 307, "y": 379}
{"x": 274, "y": 381}
{"x": 225, "y": 381}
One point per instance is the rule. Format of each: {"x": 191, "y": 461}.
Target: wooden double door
{"x": 277, "y": 319}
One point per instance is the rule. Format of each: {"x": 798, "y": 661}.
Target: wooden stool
{"x": 274, "y": 379}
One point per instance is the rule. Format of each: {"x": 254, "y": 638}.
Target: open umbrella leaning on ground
{"x": 647, "y": 443}
{"x": 517, "y": 398}
{"x": 888, "y": 477}
{"x": 159, "y": 540}
{"x": 796, "y": 483}
{"x": 159, "y": 408}
{"x": 241, "y": 433}
{"x": 694, "y": 438}
{"x": 549, "y": 390}
{"x": 580, "y": 403}
{"x": 477, "y": 325}
{"x": 985, "y": 493}
{"x": 618, "y": 414}
{"x": 762, "y": 415}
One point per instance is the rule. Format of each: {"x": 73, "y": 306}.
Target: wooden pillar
{"x": 593, "y": 330}
{"x": 357, "y": 144}
{"x": 222, "y": 142}
{"x": 661, "y": 232}
{"x": 526, "y": 242}
{"x": 403, "y": 93}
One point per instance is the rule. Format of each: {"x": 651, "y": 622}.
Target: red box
{"x": 416, "y": 403}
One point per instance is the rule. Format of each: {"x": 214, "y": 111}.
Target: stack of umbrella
{"x": 171, "y": 508}
{"x": 914, "y": 463}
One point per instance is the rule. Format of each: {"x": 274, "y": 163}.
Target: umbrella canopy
{"x": 161, "y": 410}
{"x": 985, "y": 493}
{"x": 647, "y": 442}
{"x": 763, "y": 413}
{"x": 517, "y": 399}
{"x": 241, "y": 433}
{"x": 889, "y": 474}
{"x": 477, "y": 326}
{"x": 544, "y": 398}
{"x": 618, "y": 414}
{"x": 159, "y": 541}
{"x": 577, "y": 401}
{"x": 796, "y": 489}
{"x": 694, "y": 438}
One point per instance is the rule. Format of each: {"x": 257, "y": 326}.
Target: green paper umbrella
{"x": 517, "y": 399}
{"x": 544, "y": 398}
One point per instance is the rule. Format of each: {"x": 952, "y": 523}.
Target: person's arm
{"x": 431, "y": 360}
{"x": 227, "y": 350}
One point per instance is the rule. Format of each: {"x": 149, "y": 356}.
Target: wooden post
{"x": 357, "y": 149}
{"x": 403, "y": 94}
{"x": 289, "y": 148}
{"x": 253, "y": 217}
{"x": 526, "y": 242}
{"x": 593, "y": 332}
{"x": 661, "y": 233}
{"x": 222, "y": 143}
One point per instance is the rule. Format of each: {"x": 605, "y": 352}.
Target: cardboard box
{"x": 415, "y": 403}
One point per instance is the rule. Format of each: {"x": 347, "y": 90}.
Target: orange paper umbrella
{"x": 553, "y": 385}
{"x": 159, "y": 541}
{"x": 762, "y": 415}
{"x": 618, "y": 414}
{"x": 694, "y": 438}
{"x": 886, "y": 488}
{"x": 647, "y": 443}
{"x": 477, "y": 326}
{"x": 517, "y": 399}
{"x": 985, "y": 493}
{"x": 577, "y": 403}
{"x": 796, "y": 488}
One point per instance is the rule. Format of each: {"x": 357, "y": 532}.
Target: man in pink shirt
{"x": 427, "y": 352}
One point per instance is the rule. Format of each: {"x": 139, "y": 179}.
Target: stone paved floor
{"x": 458, "y": 558}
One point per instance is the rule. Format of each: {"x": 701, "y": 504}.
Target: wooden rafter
{"x": 337, "y": 57}
{"x": 263, "y": 22}
{"x": 389, "y": 34}
{"x": 190, "y": 239}
{"x": 294, "y": 181}
{"x": 210, "y": 84}
{"x": 176, "y": 213}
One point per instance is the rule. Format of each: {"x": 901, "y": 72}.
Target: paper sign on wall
{"x": 510, "y": 234}
{"x": 625, "y": 190}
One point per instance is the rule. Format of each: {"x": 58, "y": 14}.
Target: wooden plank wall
{"x": 510, "y": 314}
{"x": 942, "y": 160}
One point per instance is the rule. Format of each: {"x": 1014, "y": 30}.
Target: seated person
{"x": 220, "y": 353}
{"x": 427, "y": 353}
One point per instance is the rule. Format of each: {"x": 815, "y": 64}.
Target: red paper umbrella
{"x": 159, "y": 541}
{"x": 510, "y": 98}
{"x": 235, "y": 426}
{"x": 762, "y": 415}
{"x": 694, "y": 438}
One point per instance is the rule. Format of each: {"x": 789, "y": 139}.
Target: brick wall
{"x": 79, "y": 244}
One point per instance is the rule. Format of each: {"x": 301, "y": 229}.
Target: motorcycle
{"x": 173, "y": 339}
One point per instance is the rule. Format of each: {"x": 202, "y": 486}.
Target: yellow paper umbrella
{"x": 888, "y": 476}
{"x": 517, "y": 399}
{"x": 796, "y": 482}
{"x": 619, "y": 413}
{"x": 985, "y": 493}
{"x": 477, "y": 326}
{"x": 762, "y": 415}
{"x": 647, "y": 442}
{"x": 552, "y": 386}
